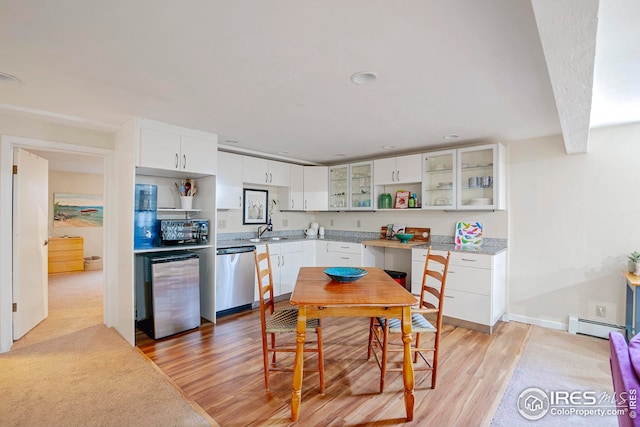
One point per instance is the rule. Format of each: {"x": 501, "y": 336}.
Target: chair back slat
{"x": 265, "y": 290}
{"x": 439, "y": 273}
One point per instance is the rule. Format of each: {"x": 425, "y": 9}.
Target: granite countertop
{"x": 440, "y": 243}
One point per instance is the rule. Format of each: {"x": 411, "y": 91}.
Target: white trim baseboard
{"x": 545, "y": 323}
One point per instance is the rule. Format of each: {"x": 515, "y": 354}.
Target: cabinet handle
{"x": 344, "y": 247}
{"x": 470, "y": 260}
{"x": 184, "y": 161}
{"x": 448, "y": 296}
{"x": 392, "y": 173}
{"x": 292, "y": 203}
{"x": 305, "y": 205}
{"x": 177, "y": 160}
{"x": 266, "y": 178}
{"x": 283, "y": 260}
{"x": 344, "y": 257}
{"x": 398, "y": 175}
{"x": 239, "y": 201}
{"x": 270, "y": 177}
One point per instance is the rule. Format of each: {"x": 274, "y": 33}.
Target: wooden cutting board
{"x": 419, "y": 234}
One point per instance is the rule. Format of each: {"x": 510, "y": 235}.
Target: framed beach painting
{"x": 255, "y": 206}
{"x": 77, "y": 210}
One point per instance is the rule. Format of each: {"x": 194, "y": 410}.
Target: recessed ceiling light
{"x": 8, "y": 78}
{"x": 451, "y": 136}
{"x": 388, "y": 147}
{"x": 364, "y": 77}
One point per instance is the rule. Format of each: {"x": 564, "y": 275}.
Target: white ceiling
{"x": 274, "y": 75}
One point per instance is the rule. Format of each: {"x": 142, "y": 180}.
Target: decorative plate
{"x": 468, "y": 233}
{"x": 345, "y": 274}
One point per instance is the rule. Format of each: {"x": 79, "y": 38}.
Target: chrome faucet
{"x": 261, "y": 231}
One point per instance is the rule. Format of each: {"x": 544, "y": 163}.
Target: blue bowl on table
{"x": 345, "y": 274}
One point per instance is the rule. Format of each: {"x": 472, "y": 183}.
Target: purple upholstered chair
{"x": 625, "y": 367}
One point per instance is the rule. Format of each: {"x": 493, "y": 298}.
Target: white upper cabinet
{"x": 296, "y": 189}
{"x": 470, "y": 178}
{"x": 397, "y": 170}
{"x": 266, "y": 172}
{"x": 316, "y": 188}
{"x": 170, "y": 148}
{"x": 351, "y": 186}
{"x": 439, "y": 180}
{"x": 229, "y": 181}
{"x": 481, "y": 178}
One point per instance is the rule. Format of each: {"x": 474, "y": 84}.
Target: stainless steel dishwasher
{"x": 235, "y": 279}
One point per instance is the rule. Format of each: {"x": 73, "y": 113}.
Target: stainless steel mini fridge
{"x": 174, "y": 280}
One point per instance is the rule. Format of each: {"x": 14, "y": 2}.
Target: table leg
{"x": 407, "y": 366}
{"x": 296, "y": 388}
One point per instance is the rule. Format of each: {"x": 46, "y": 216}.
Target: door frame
{"x": 7, "y": 144}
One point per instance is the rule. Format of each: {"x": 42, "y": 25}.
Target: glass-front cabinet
{"x": 338, "y": 187}
{"x": 351, "y": 186}
{"x": 439, "y": 182}
{"x": 481, "y": 177}
{"x": 361, "y": 185}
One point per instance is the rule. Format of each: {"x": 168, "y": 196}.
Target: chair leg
{"x": 383, "y": 367}
{"x": 415, "y": 353}
{"x": 273, "y": 345}
{"x": 265, "y": 360}
{"x": 320, "y": 359}
{"x": 434, "y": 372}
{"x": 370, "y": 339}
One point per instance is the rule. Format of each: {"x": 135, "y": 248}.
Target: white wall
{"x": 573, "y": 219}
{"x": 77, "y": 183}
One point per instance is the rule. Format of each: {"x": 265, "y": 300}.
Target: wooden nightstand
{"x": 66, "y": 254}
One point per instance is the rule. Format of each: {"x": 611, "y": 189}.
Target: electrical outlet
{"x": 358, "y": 223}
{"x": 601, "y": 311}
{"x": 285, "y": 222}
{"x": 222, "y": 223}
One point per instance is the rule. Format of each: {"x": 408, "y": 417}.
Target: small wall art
{"x": 77, "y": 210}
{"x": 255, "y": 206}
{"x": 468, "y": 233}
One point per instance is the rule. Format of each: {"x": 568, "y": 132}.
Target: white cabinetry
{"x": 397, "y": 170}
{"x": 475, "y": 288}
{"x": 266, "y": 172}
{"x": 286, "y": 260}
{"x": 229, "y": 181}
{"x": 316, "y": 188}
{"x": 170, "y": 148}
{"x": 351, "y": 186}
{"x": 343, "y": 254}
{"x": 481, "y": 178}
{"x": 439, "y": 180}
{"x": 296, "y": 189}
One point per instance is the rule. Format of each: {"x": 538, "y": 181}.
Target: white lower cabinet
{"x": 475, "y": 288}
{"x": 286, "y": 260}
{"x": 343, "y": 254}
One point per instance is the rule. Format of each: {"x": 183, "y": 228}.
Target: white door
{"x": 30, "y": 212}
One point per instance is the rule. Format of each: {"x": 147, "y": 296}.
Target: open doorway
{"x": 75, "y": 277}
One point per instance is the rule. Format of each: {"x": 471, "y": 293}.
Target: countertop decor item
{"x": 345, "y": 274}
{"x": 468, "y": 233}
{"x": 385, "y": 201}
{"x": 634, "y": 258}
{"x": 404, "y": 237}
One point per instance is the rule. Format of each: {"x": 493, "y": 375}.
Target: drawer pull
{"x": 470, "y": 260}
{"x": 448, "y": 296}
{"x": 344, "y": 257}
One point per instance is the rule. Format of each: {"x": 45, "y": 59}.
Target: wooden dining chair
{"x": 280, "y": 322}
{"x": 426, "y": 318}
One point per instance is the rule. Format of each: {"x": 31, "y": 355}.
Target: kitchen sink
{"x": 267, "y": 239}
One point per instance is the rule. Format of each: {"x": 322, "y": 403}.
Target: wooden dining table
{"x": 316, "y": 295}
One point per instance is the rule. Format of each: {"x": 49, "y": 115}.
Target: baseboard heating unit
{"x": 592, "y": 328}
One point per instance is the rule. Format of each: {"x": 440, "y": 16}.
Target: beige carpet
{"x": 73, "y": 371}
{"x": 558, "y": 361}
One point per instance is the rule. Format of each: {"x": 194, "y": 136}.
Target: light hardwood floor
{"x": 220, "y": 368}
